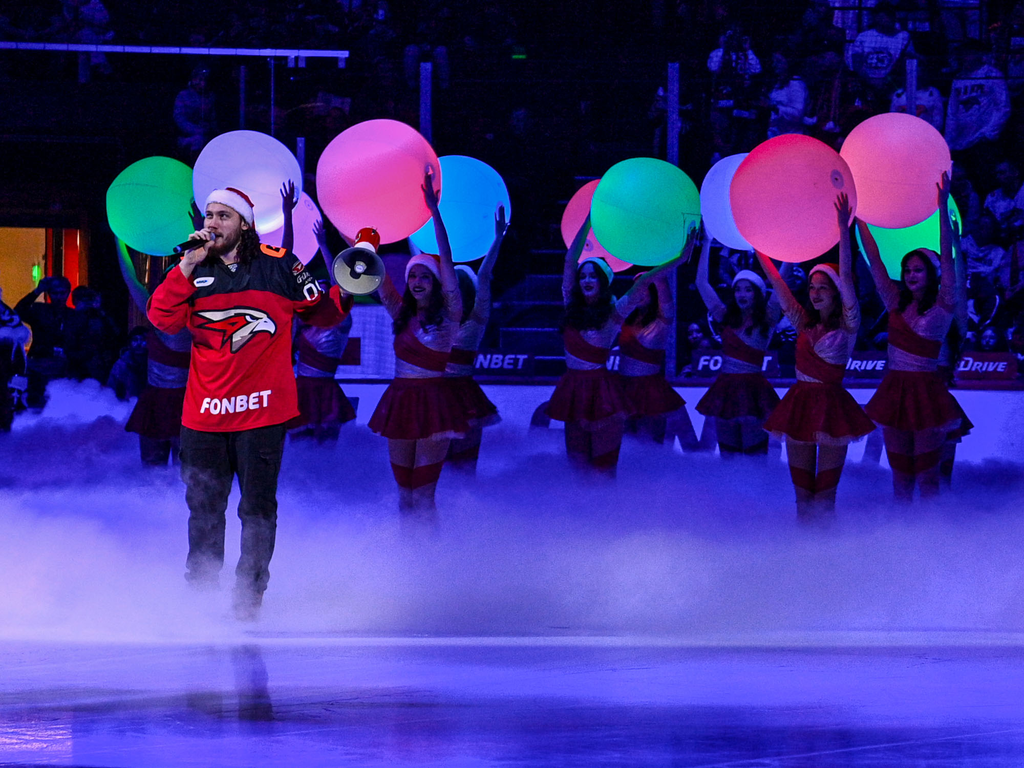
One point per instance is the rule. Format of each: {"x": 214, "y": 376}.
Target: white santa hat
{"x": 832, "y": 272}
{"x": 753, "y": 277}
{"x": 468, "y": 272}
{"x": 429, "y": 260}
{"x": 234, "y": 199}
{"x": 600, "y": 264}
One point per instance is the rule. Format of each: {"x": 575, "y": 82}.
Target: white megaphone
{"x": 359, "y": 270}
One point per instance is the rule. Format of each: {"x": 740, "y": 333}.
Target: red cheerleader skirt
{"x": 964, "y": 428}
{"x": 476, "y": 406}
{"x": 825, "y": 414}
{"x": 157, "y": 413}
{"x": 416, "y": 409}
{"x": 913, "y": 401}
{"x": 321, "y": 402}
{"x": 737, "y": 396}
{"x": 651, "y": 395}
{"x": 589, "y": 397}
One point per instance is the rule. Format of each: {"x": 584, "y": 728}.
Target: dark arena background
{"x": 674, "y": 615}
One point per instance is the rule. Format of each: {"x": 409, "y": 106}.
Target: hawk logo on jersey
{"x": 238, "y": 325}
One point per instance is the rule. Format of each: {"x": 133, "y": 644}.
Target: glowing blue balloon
{"x": 471, "y": 192}
{"x": 715, "y": 206}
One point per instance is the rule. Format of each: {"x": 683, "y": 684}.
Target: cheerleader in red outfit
{"x": 156, "y": 418}
{"x": 589, "y": 398}
{"x": 418, "y": 412}
{"x": 642, "y": 344}
{"x": 818, "y": 418}
{"x": 912, "y": 404}
{"x": 480, "y": 412}
{"x": 741, "y": 398}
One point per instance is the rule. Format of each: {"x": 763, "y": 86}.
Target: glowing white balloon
{"x": 253, "y": 162}
{"x": 715, "y": 206}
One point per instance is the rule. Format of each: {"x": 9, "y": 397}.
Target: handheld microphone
{"x": 191, "y": 244}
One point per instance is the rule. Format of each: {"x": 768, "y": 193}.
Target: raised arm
{"x": 710, "y": 296}
{"x": 136, "y": 289}
{"x": 482, "y": 307}
{"x": 960, "y": 272}
{"x": 449, "y": 280}
{"x": 572, "y": 257}
{"x": 659, "y": 276}
{"x": 947, "y": 278}
{"x": 787, "y": 301}
{"x": 288, "y": 202}
{"x": 843, "y": 215}
{"x": 887, "y": 288}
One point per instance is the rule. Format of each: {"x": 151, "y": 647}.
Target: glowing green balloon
{"x": 894, "y": 244}
{"x": 642, "y": 210}
{"x": 149, "y": 205}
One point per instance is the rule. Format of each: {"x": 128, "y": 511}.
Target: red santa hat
{"x": 234, "y": 199}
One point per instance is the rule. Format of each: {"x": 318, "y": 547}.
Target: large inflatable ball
{"x": 783, "y": 197}
{"x": 894, "y": 244}
{"x": 371, "y": 175}
{"x": 575, "y": 213}
{"x": 472, "y": 193}
{"x": 149, "y": 205}
{"x": 896, "y": 160}
{"x": 715, "y": 206}
{"x": 304, "y": 216}
{"x": 642, "y": 210}
{"x": 254, "y": 163}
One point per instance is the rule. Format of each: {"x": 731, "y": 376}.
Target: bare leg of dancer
{"x": 605, "y": 443}
{"x": 899, "y": 447}
{"x": 802, "y": 458}
{"x": 831, "y": 459}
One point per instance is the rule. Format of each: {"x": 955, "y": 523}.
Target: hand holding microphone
{"x": 194, "y": 249}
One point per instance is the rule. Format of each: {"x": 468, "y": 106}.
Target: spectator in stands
{"x": 48, "y": 321}
{"x": 984, "y": 308}
{"x": 967, "y": 200}
{"x": 788, "y": 99}
{"x": 876, "y": 52}
{"x": 195, "y": 115}
{"x": 979, "y": 106}
{"x": 430, "y": 44}
{"x": 929, "y": 102}
{"x": 128, "y": 375}
{"x": 985, "y": 257}
{"x": 91, "y": 336}
{"x": 1006, "y": 202}
{"x": 13, "y": 335}
{"x": 733, "y": 108}
{"x": 849, "y": 18}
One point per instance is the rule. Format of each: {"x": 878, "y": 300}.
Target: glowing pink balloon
{"x": 896, "y": 160}
{"x": 305, "y": 215}
{"x": 575, "y": 214}
{"x": 783, "y": 197}
{"x": 371, "y": 174}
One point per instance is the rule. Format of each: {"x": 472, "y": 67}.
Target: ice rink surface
{"x": 675, "y": 617}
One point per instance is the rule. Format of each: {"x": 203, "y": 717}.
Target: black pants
{"x": 209, "y": 463}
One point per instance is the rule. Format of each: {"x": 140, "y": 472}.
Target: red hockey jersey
{"x": 240, "y": 376}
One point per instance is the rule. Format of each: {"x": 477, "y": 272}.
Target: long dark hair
{"x": 434, "y": 314}
{"x": 641, "y": 317}
{"x": 814, "y": 317}
{"x": 931, "y": 290}
{"x": 468, "y": 292}
{"x": 590, "y": 317}
{"x": 734, "y": 315}
{"x": 248, "y": 247}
